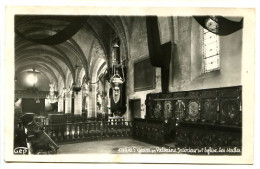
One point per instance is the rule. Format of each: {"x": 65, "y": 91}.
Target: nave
{"x": 86, "y": 84}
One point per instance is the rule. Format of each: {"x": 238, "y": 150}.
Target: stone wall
{"x": 138, "y": 48}
{"x": 186, "y": 63}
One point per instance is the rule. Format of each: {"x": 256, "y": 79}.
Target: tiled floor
{"x": 105, "y": 147}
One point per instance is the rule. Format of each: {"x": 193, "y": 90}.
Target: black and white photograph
{"x": 130, "y": 86}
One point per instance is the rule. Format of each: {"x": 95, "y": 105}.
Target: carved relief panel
{"x": 158, "y": 109}
{"x": 210, "y": 110}
{"x": 168, "y": 108}
{"x": 193, "y": 110}
{"x": 230, "y": 111}
{"x": 180, "y": 110}
{"x": 210, "y": 106}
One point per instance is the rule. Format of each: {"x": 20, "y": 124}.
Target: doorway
{"x": 135, "y": 108}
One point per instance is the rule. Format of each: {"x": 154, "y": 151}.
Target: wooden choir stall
{"x": 197, "y": 119}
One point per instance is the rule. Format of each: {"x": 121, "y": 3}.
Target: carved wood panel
{"x": 210, "y": 110}
{"x": 230, "y": 111}
{"x": 168, "y": 110}
{"x": 158, "y": 108}
{"x": 194, "y": 137}
{"x": 220, "y": 105}
{"x": 193, "y": 110}
{"x": 180, "y": 113}
{"x": 149, "y": 132}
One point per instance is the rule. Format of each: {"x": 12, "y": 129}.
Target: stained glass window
{"x": 210, "y": 46}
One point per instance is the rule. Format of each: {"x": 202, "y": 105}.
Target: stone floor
{"x": 105, "y": 147}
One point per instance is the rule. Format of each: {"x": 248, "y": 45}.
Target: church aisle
{"x": 104, "y": 146}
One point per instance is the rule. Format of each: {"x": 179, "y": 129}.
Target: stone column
{"x": 85, "y": 103}
{"x": 92, "y": 101}
{"x": 67, "y": 103}
{"x": 78, "y": 103}
{"x": 60, "y": 105}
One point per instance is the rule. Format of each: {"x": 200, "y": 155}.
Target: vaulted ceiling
{"x": 65, "y": 48}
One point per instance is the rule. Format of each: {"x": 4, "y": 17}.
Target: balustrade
{"x": 84, "y": 131}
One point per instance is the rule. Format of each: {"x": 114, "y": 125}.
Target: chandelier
{"x": 52, "y": 97}
{"x": 76, "y": 87}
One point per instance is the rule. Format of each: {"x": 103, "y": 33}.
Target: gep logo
{"x": 21, "y": 150}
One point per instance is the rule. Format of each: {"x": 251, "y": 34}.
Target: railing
{"x": 62, "y": 118}
{"x": 87, "y": 131}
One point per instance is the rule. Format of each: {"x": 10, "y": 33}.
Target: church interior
{"x": 127, "y": 84}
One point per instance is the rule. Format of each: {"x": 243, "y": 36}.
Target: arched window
{"x": 210, "y": 48}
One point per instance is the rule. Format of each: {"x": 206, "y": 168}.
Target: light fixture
{"x": 32, "y": 78}
{"x": 76, "y": 87}
{"x": 51, "y": 97}
{"x": 117, "y": 76}
{"x": 116, "y": 80}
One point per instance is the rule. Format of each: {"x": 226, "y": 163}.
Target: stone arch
{"x": 44, "y": 69}
{"x": 45, "y": 60}
{"x": 60, "y": 55}
{"x": 100, "y": 41}
{"x": 118, "y": 27}
{"x": 69, "y": 80}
